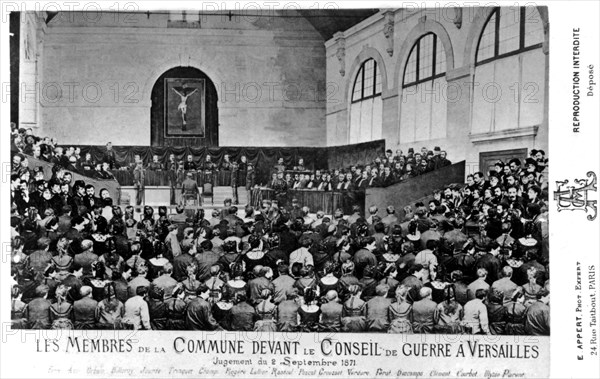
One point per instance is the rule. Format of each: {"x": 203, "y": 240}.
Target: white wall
{"x": 462, "y": 139}
{"x": 269, "y": 74}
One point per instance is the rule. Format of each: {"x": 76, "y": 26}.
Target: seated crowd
{"x": 474, "y": 259}
{"x": 382, "y": 172}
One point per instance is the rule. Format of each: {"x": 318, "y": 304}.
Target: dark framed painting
{"x": 184, "y": 107}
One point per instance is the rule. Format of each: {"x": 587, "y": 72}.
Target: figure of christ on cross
{"x": 183, "y": 105}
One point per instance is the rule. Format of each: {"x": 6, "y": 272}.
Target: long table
{"x": 170, "y": 178}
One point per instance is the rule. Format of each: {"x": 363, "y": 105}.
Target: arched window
{"x": 366, "y": 105}
{"x": 423, "y": 107}
{"x": 510, "y": 71}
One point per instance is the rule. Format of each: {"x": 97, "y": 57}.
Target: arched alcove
{"x": 164, "y": 134}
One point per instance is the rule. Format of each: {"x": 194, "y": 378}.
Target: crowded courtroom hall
{"x": 363, "y": 170}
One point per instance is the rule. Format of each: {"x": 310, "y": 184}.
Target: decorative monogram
{"x": 577, "y": 198}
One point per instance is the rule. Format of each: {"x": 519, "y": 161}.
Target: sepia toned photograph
{"x": 330, "y": 185}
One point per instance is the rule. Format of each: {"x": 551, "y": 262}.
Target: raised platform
{"x": 161, "y": 195}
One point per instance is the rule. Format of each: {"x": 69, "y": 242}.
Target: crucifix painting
{"x": 184, "y": 107}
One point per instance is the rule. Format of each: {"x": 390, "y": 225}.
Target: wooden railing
{"x": 325, "y": 201}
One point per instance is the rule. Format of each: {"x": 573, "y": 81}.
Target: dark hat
{"x": 531, "y": 161}
{"x": 411, "y": 150}
{"x": 437, "y": 148}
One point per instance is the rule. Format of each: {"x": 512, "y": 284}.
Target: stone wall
{"x": 388, "y": 37}
{"x": 97, "y": 74}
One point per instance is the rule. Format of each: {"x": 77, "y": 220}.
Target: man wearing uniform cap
{"x": 189, "y": 190}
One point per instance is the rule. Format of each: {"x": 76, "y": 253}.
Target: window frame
{"x": 522, "y": 48}
{"x": 434, "y": 75}
{"x": 361, "y": 72}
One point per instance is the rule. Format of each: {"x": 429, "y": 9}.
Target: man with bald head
{"x": 331, "y": 312}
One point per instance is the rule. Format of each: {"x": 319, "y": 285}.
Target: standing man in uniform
{"x": 234, "y": 181}
{"x": 139, "y": 176}
{"x": 189, "y": 190}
